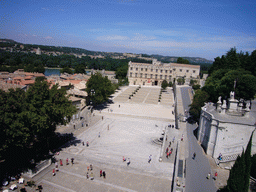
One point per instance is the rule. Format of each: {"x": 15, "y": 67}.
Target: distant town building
{"x": 38, "y": 51}
{"x": 147, "y": 74}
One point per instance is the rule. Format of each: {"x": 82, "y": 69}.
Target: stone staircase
{"x": 167, "y": 97}
{"x": 227, "y": 158}
{"x": 124, "y": 96}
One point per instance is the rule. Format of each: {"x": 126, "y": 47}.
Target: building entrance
{"x": 156, "y": 82}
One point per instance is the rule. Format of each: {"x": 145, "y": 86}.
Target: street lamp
{"x": 91, "y": 101}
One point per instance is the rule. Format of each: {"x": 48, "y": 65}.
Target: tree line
{"x": 31, "y": 62}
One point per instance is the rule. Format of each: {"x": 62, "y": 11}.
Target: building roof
{"x": 27, "y": 82}
{"x": 229, "y": 118}
{"x": 185, "y": 65}
{"x": 71, "y": 98}
{"x": 77, "y": 92}
{"x": 6, "y": 86}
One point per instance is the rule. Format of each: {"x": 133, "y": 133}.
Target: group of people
{"x": 167, "y": 152}
{"x": 127, "y": 161}
{"x": 90, "y": 176}
{"x": 56, "y": 169}
{"x": 215, "y": 175}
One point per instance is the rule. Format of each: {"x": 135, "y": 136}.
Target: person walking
{"x": 87, "y": 144}
{"x": 61, "y": 164}
{"x": 87, "y": 175}
{"x": 91, "y": 167}
{"x": 166, "y": 150}
{"x": 215, "y": 175}
{"x": 67, "y": 161}
{"x": 99, "y": 134}
{"x": 72, "y": 161}
{"x": 194, "y": 155}
{"x": 209, "y": 176}
{"x": 128, "y": 162}
{"x": 104, "y": 174}
{"x": 92, "y": 176}
{"x": 149, "y": 158}
{"x": 53, "y": 172}
{"x": 100, "y": 173}
{"x": 56, "y": 166}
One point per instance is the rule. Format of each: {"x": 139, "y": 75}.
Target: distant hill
{"x": 70, "y": 50}
{"x": 192, "y": 60}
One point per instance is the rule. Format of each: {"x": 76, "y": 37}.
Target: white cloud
{"x": 48, "y": 37}
{"x": 112, "y": 38}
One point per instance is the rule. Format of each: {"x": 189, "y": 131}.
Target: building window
{"x": 170, "y": 71}
{"x": 136, "y": 69}
{"x": 146, "y": 69}
{"x": 156, "y": 70}
{"x": 145, "y": 75}
{"x": 170, "y": 77}
{"x": 151, "y": 76}
{"x": 187, "y": 71}
{"x": 130, "y": 68}
{"x": 194, "y": 71}
{"x": 160, "y": 76}
{"x": 166, "y": 71}
{"x": 141, "y": 75}
{"x": 161, "y": 71}
{"x": 156, "y": 77}
{"x": 180, "y": 70}
{"x": 174, "y": 69}
{"x": 151, "y": 70}
{"x": 135, "y": 74}
{"x": 165, "y": 77}
{"x": 130, "y": 74}
{"x": 141, "y": 69}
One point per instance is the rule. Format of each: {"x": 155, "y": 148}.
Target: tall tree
{"x": 164, "y": 84}
{"x": 236, "y": 180}
{"x": 99, "y": 88}
{"x": 248, "y": 163}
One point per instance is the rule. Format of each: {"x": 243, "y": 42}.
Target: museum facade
{"x": 146, "y": 74}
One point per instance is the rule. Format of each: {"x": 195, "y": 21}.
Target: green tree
{"x": 236, "y": 180}
{"x": 66, "y": 70}
{"x": 181, "y": 81}
{"x": 183, "y": 61}
{"x": 253, "y": 167}
{"x": 248, "y": 163}
{"x": 199, "y": 100}
{"x": 98, "y": 88}
{"x": 164, "y": 84}
{"x": 121, "y": 72}
{"x": 80, "y": 69}
{"x": 28, "y": 121}
{"x": 170, "y": 84}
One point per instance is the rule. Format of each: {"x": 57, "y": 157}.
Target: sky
{"x": 193, "y": 28}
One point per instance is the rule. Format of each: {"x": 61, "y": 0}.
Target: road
{"x": 197, "y": 169}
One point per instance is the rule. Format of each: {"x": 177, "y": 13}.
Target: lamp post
{"x": 91, "y": 100}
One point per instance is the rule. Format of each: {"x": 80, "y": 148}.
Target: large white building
{"x": 146, "y": 74}
{"x": 227, "y": 128}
